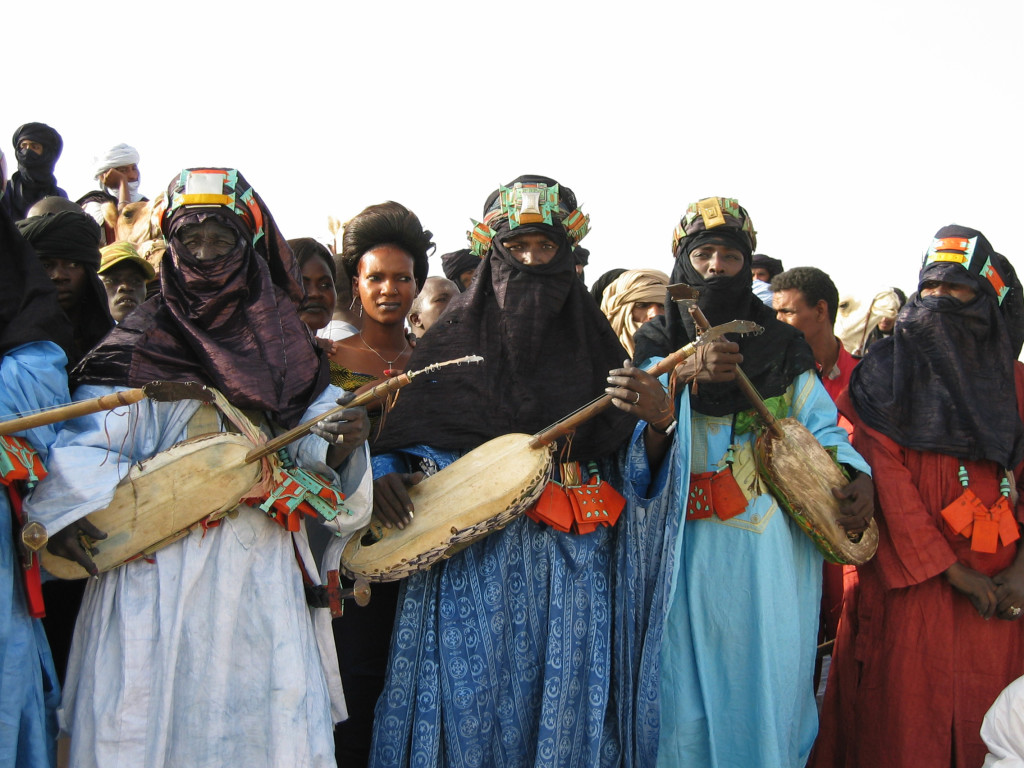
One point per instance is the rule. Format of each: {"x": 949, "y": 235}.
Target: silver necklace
{"x": 389, "y": 370}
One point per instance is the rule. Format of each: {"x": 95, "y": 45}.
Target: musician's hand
{"x": 978, "y": 587}
{"x": 1010, "y": 591}
{"x": 715, "y": 362}
{"x": 391, "y": 502}
{"x": 67, "y": 543}
{"x": 856, "y": 503}
{"x": 344, "y": 431}
{"x": 636, "y": 392}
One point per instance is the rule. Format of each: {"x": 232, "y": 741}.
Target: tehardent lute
{"x": 799, "y": 471}
{"x": 196, "y": 481}
{"x": 481, "y": 492}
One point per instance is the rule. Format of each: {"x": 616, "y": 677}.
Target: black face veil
{"x": 547, "y": 350}
{"x": 944, "y": 380}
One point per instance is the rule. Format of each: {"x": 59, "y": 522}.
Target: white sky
{"x": 850, "y": 132}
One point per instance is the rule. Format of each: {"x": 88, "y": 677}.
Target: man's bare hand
{"x": 391, "y": 502}
{"x": 67, "y": 543}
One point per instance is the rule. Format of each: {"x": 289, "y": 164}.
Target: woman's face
{"x": 317, "y": 308}
{"x": 209, "y": 240}
{"x": 385, "y": 284}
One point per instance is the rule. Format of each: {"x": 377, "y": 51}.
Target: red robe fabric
{"x": 832, "y": 575}
{"x": 915, "y": 667}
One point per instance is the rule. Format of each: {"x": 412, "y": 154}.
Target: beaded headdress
{"x": 713, "y": 212}
{"x": 528, "y": 203}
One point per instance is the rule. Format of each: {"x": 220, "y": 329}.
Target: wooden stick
{"x": 379, "y": 392}
{"x": 665, "y": 365}
{"x": 595, "y": 406}
{"x": 371, "y": 395}
{"x": 72, "y": 410}
{"x": 745, "y": 384}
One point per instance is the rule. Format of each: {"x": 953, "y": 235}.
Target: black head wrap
{"x": 609, "y": 277}
{"x": 28, "y": 299}
{"x": 34, "y": 178}
{"x": 774, "y": 266}
{"x": 547, "y": 351}
{"x": 230, "y": 322}
{"x": 457, "y": 262}
{"x": 73, "y": 236}
{"x": 944, "y": 380}
{"x": 67, "y": 235}
{"x": 771, "y": 360}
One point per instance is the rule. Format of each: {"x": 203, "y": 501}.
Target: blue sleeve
{"x": 32, "y": 378}
{"x": 813, "y": 408}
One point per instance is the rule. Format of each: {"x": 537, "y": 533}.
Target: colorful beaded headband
{"x": 960, "y": 250}
{"x": 217, "y": 187}
{"x": 713, "y": 212}
{"x": 526, "y": 203}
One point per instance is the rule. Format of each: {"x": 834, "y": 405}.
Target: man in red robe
{"x": 935, "y": 633}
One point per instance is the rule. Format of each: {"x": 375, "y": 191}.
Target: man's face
{"x": 126, "y": 288}
{"x": 130, "y": 172}
{"x": 531, "y": 248}
{"x": 69, "y": 277}
{"x": 433, "y": 300}
{"x": 643, "y": 311}
{"x": 209, "y": 240}
{"x": 762, "y": 274}
{"x": 791, "y": 307}
{"x": 31, "y": 146}
{"x": 112, "y": 176}
{"x": 716, "y": 260}
{"x": 961, "y": 293}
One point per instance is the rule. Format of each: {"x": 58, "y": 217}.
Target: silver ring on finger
{"x": 1014, "y": 611}
{"x": 339, "y": 439}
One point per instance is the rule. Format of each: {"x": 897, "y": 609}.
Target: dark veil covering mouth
{"x": 944, "y": 380}
{"x": 546, "y": 346}
{"x": 74, "y": 236}
{"x": 231, "y": 322}
{"x": 28, "y": 299}
{"x": 34, "y": 178}
{"x": 771, "y": 360}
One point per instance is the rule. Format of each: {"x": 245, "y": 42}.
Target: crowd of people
{"x": 658, "y": 603}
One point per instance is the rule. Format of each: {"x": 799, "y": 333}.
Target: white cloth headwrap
{"x": 1003, "y": 728}
{"x": 115, "y": 157}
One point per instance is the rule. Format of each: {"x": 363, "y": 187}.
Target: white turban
{"x": 1002, "y": 730}
{"x": 115, "y": 157}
